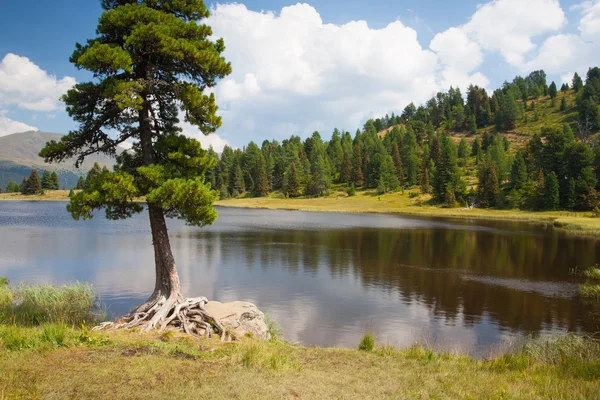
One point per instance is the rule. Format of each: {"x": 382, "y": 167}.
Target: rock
{"x": 241, "y": 318}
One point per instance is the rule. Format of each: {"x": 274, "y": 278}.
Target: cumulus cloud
{"x": 26, "y": 85}
{"x": 508, "y": 26}
{"x": 565, "y": 53}
{"x": 293, "y": 74}
{"x": 9, "y": 126}
{"x": 214, "y": 140}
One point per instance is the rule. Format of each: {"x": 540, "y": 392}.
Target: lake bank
{"x": 402, "y": 204}
{"x": 395, "y": 203}
{"x": 119, "y": 364}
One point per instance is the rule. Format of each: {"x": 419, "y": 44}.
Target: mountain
{"x": 19, "y": 155}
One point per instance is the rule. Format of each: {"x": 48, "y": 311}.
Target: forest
{"x": 457, "y": 150}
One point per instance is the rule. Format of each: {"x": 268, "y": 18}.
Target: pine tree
{"x": 80, "y": 183}
{"x": 346, "y": 170}
{"x": 571, "y": 201}
{"x": 552, "y": 90}
{"x": 151, "y": 61}
{"x": 54, "y": 182}
{"x": 292, "y": 184}
{"x": 12, "y": 187}
{"x": 23, "y": 186}
{"x": 551, "y": 192}
{"x": 488, "y": 188}
{"x": 238, "y": 185}
{"x": 425, "y": 186}
{"x": 46, "y": 180}
{"x": 261, "y": 184}
{"x": 95, "y": 171}
{"x": 540, "y": 191}
{"x": 398, "y": 164}
{"x": 357, "y": 174}
{"x": 518, "y": 173}
{"x": 563, "y": 104}
{"x": 577, "y": 83}
{"x": 463, "y": 151}
{"x": 33, "y": 185}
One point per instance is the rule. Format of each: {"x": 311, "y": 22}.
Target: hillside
{"x": 19, "y": 155}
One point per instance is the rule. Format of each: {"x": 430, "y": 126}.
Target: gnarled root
{"x": 185, "y": 315}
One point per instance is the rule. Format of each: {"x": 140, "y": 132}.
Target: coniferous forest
{"x": 473, "y": 150}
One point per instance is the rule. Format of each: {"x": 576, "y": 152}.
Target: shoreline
{"x": 579, "y": 223}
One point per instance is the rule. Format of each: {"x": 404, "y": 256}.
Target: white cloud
{"x": 26, "y": 85}
{"x": 565, "y": 53}
{"x": 293, "y": 74}
{"x": 9, "y": 126}
{"x": 508, "y": 26}
{"x": 214, "y": 140}
{"x": 459, "y": 56}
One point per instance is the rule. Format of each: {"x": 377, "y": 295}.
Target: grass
{"x": 367, "y": 343}
{"x": 404, "y": 204}
{"x": 49, "y": 195}
{"x": 39, "y": 304}
{"x": 141, "y": 365}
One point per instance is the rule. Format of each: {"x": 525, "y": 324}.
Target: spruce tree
{"x": 576, "y": 83}
{"x": 463, "y": 152}
{"x": 571, "y": 197}
{"x": 346, "y": 170}
{"x": 46, "y": 180}
{"x": 292, "y": 186}
{"x": 425, "y": 186}
{"x": 23, "y": 186}
{"x": 54, "y": 182}
{"x": 563, "y": 104}
{"x": 95, "y": 171}
{"x": 151, "y": 61}
{"x": 34, "y": 184}
{"x": 261, "y": 184}
{"x": 80, "y": 183}
{"x": 398, "y": 164}
{"x": 357, "y": 173}
{"x": 552, "y": 91}
{"x": 551, "y": 192}
{"x": 12, "y": 187}
{"x": 488, "y": 188}
{"x": 518, "y": 173}
{"x": 540, "y": 191}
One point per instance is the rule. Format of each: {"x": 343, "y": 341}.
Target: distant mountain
{"x": 19, "y": 155}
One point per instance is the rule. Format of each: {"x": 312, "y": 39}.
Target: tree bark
{"x": 167, "y": 280}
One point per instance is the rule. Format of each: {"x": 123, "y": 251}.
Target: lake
{"x": 326, "y": 278}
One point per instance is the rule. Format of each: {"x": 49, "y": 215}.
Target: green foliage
{"x": 12, "y": 187}
{"x": 54, "y": 334}
{"x": 38, "y": 304}
{"x": 551, "y": 194}
{"x": 32, "y": 185}
{"x": 367, "y": 343}
{"x": 14, "y": 338}
{"x": 351, "y": 190}
{"x": 488, "y": 189}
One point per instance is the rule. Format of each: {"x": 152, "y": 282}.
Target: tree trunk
{"x": 167, "y": 281}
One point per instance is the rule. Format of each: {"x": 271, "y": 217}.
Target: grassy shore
{"x": 58, "y": 362}
{"x": 402, "y": 203}
{"x": 369, "y": 202}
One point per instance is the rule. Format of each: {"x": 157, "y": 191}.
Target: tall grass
{"x": 42, "y": 304}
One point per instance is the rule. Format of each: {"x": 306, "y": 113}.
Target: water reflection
{"x": 325, "y": 278}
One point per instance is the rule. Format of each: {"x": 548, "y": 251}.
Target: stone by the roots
{"x": 240, "y": 318}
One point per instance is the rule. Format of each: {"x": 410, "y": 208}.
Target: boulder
{"x": 241, "y": 318}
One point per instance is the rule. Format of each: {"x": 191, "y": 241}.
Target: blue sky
{"x": 406, "y": 51}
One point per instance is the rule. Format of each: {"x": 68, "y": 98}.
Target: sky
{"x": 301, "y": 67}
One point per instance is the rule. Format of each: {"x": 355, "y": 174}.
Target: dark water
{"x": 324, "y": 277}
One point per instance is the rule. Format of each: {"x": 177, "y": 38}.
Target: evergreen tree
{"x": 551, "y": 193}
{"x": 571, "y": 195}
{"x": 540, "y": 191}
{"x": 80, "y": 183}
{"x": 151, "y": 61}
{"x": 71, "y": 193}
{"x": 488, "y": 188}
{"x": 292, "y": 181}
{"x": 34, "y": 184}
{"x": 563, "y": 104}
{"x": 564, "y": 87}
{"x": 425, "y": 186}
{"x": 398, "y": 164}
{"x": 577, "y": 83}
{"x": 54, "y": 182}
{"x": 463, "y": 152}
{"x": 12, "y": 187}
{"x": 518, "y": 173}
{"x": 476, "y": 147}
{"x": 346, "y": 170}
{"x": 95, "y": 171}
{"x": 261, "y": 185}
{"x": 552, "y": 91}
{"x": 408, "y": 155}
{"x": 46, "y": 180}
{"x": 238, "y": 185}
{"x": 23, "y": 186}
{"x": 357, "y": 173}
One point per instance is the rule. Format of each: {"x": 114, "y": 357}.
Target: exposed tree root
{"x": 173, "y": 313}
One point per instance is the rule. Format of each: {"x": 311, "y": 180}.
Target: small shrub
{"x": 386, "y": 351}
{"x": 367, "y": 343}
{"x": 592, "y": 273}
{"x": 412, "y": 195}
{"x": 54, "y": 334}
{"x": 15, "y": 338}
{"x": 3, "y": 282}
{"x": 272, "y": 328}
{"x": 352, "y": 190}
{"x": 166, "y": 336}
{"x": 590, "y": 291}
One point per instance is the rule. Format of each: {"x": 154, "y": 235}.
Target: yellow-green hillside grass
{"x": 133, "y": 365}
{"x": 418, "y": 205}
